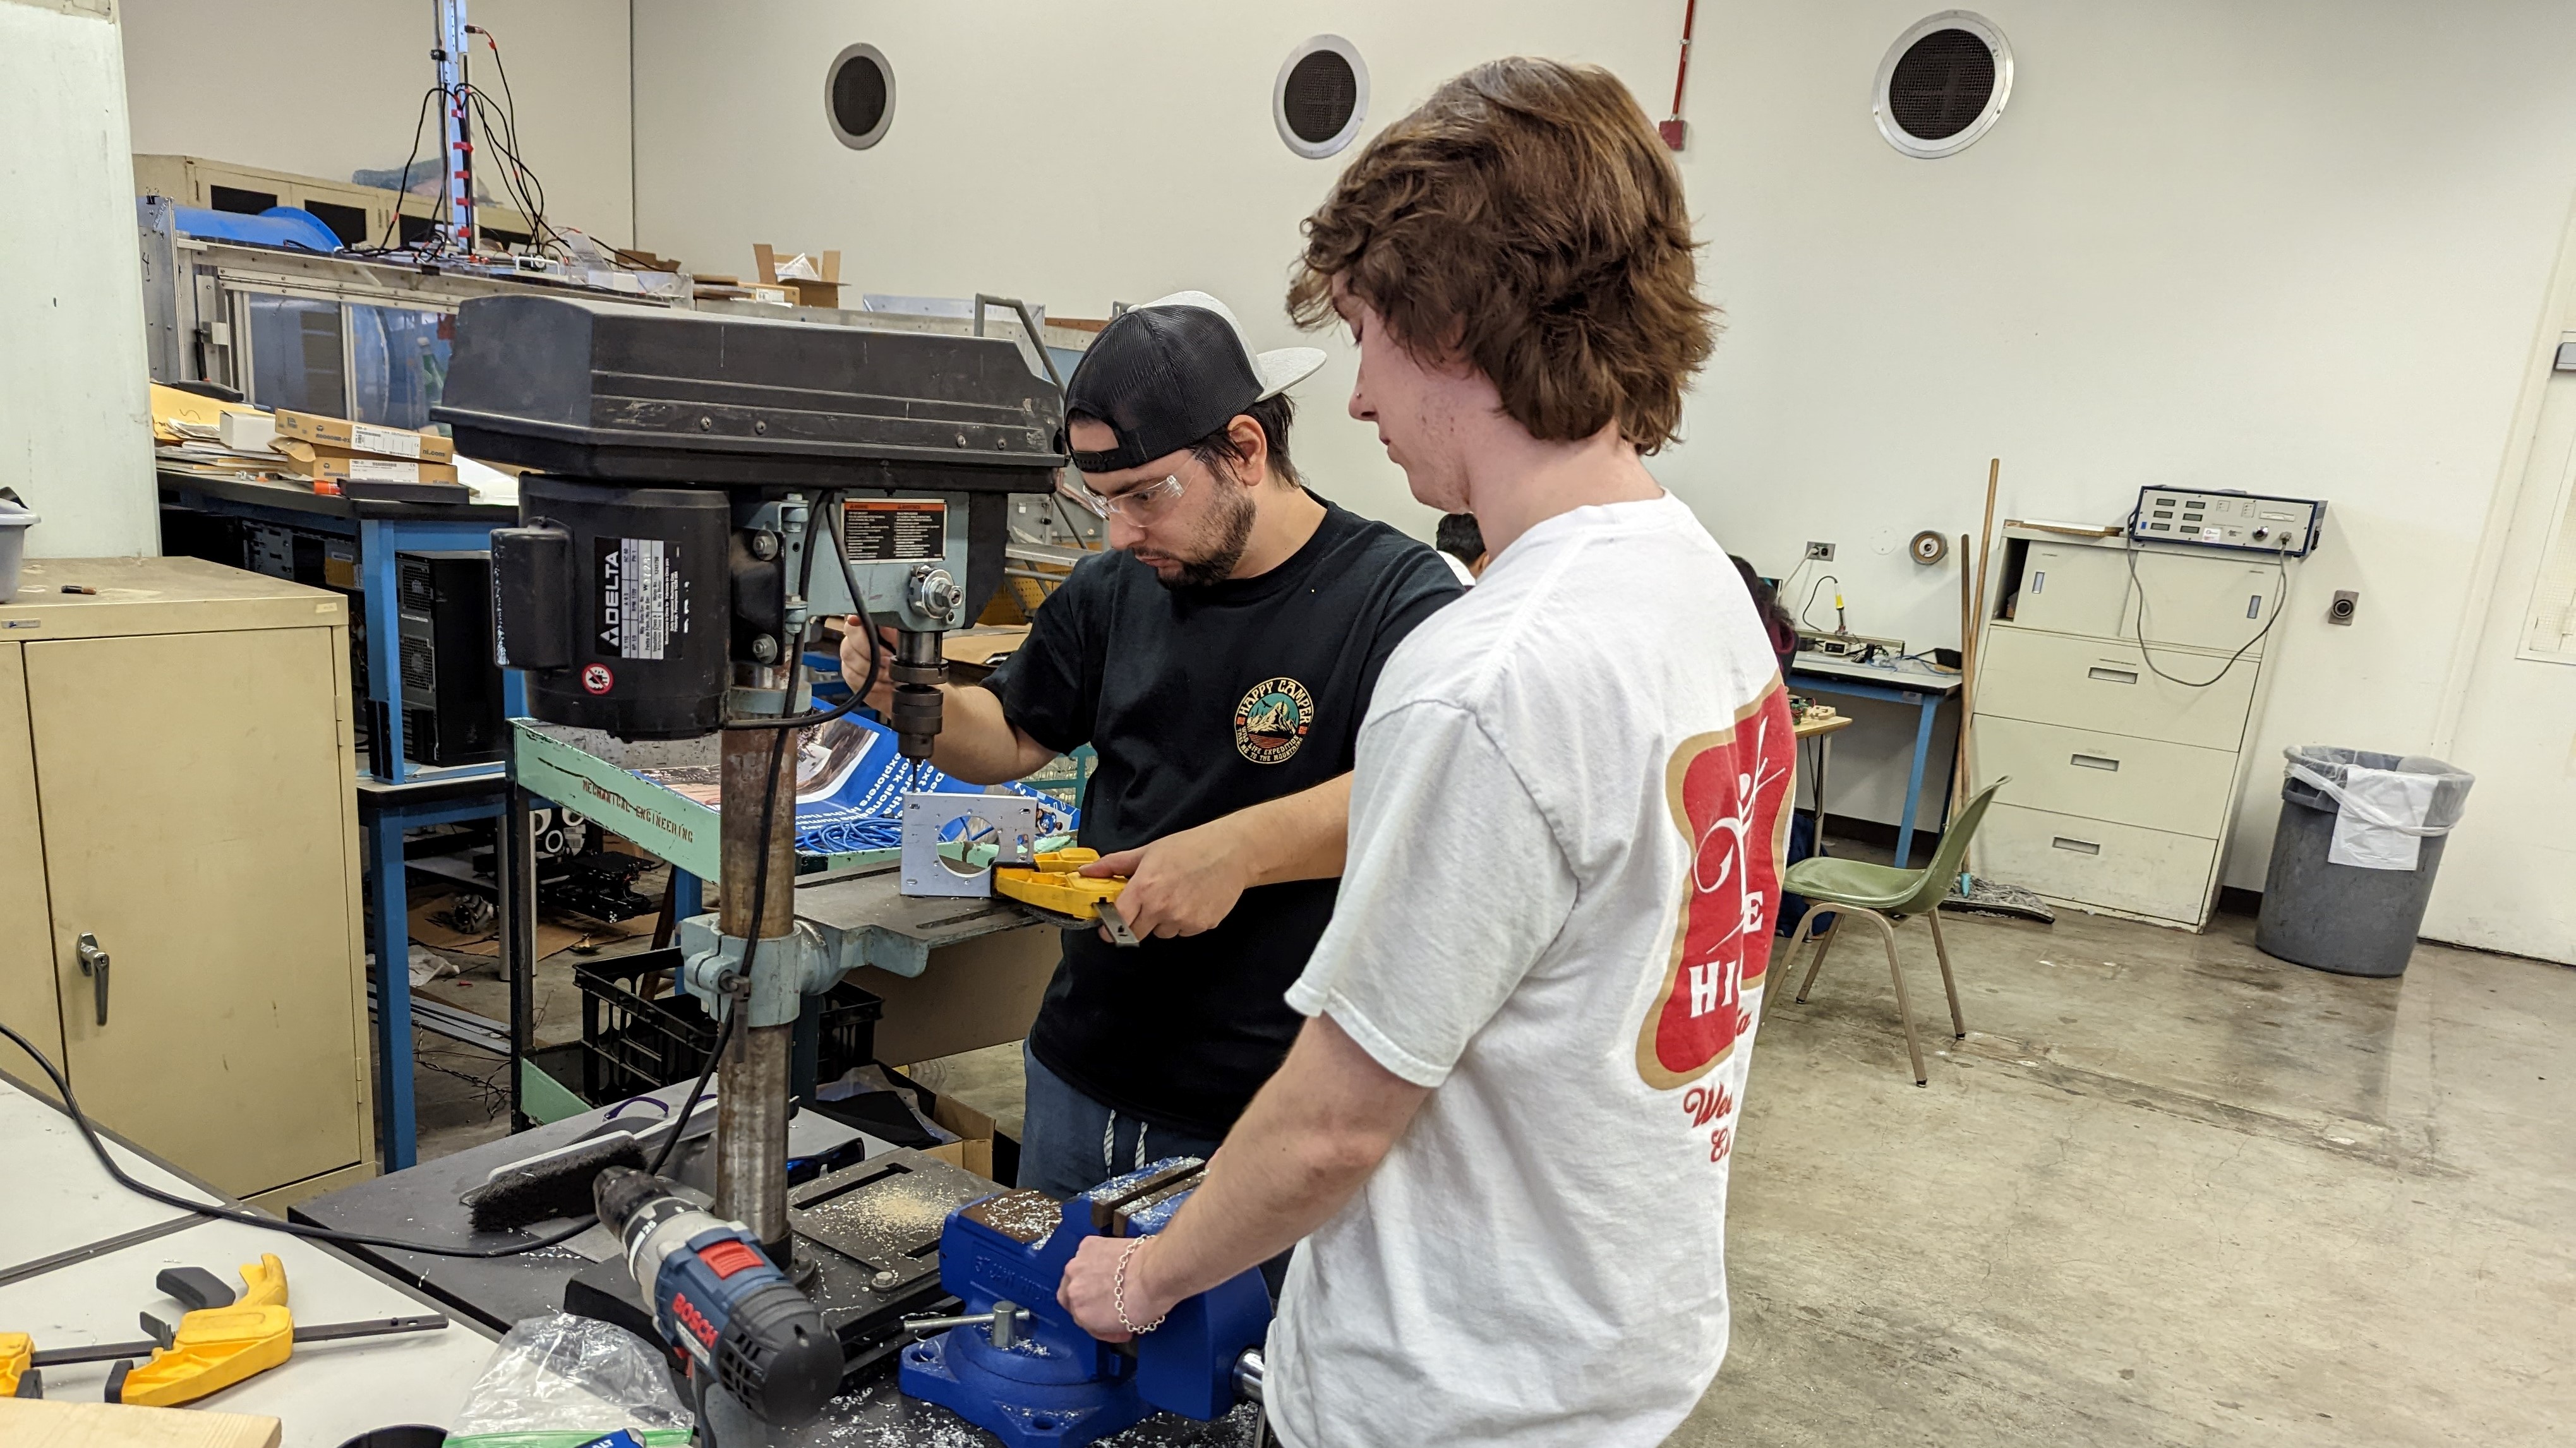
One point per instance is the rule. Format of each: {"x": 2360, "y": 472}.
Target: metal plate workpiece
{"x": 927, "y": 814}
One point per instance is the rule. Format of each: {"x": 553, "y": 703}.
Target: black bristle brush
{"x": 555, "y": 1184}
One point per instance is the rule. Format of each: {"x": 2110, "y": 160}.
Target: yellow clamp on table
{"x": 224, "y": 1340}
{"x": 216, "y": 1347}
{"x": 1057, "y": 886}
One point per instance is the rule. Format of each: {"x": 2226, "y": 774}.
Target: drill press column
{"x": 751, "y": 1081}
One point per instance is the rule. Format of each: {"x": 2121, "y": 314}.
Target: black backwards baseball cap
{"x": 1170, "y": 372}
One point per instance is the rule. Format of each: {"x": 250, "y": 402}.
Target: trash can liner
{"x": 2379, "y": 815}
{"x": 2355, "y": 855}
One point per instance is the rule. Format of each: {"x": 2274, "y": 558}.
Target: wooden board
{"x": 35, "y": 1423}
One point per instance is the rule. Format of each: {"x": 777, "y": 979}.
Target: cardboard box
{"x": 327, "y": 467}
{"x": 248, "y": 431}
{"x": 978, "y": 992}
{"x": 810, "y": 292}
{"x": 362, "y": 437}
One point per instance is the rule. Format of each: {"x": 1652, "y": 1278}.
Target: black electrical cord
{"x": 393, "y": 223}
{"x": 858, "y": 605}
{"x": 2280, "y": 603}
{"x": 518, "y": 179}
{"x": 80, "y": 1120}
{"x": 1821, "y": 580}
{"x": 697, "y": 1091}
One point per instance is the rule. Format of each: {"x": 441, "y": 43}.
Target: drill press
{"x": 700, "y": 488}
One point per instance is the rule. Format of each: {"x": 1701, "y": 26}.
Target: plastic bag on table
{"x": 558, "y": 1381}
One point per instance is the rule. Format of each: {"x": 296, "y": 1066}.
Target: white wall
{"x": 327, "y": 87}
{"x": 2295, "y": 247}
{"x": 75, "y": 418}
{"x": 2289, "y": 247}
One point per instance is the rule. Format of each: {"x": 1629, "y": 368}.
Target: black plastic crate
{"x": 633, "y": 1041}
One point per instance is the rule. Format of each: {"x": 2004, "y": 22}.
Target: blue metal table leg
{"x": 1927, "y": 705}
{"x": 392, "y": 943}
{"x": 685, "y": 892}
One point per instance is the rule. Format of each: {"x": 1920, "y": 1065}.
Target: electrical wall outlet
{"x": 2346, "y": 604}
{"x": 1821, "y": 552}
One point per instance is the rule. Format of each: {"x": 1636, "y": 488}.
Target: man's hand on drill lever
{"x": 854, "y": 661}
{"x": 1180, "y": 884}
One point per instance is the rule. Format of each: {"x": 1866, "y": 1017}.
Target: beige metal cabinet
{"x": 2125, "y": 762}
{"x": 2192, "y": 601}
{"x": 223, "y": 186}
{"x": 175, "y": 772}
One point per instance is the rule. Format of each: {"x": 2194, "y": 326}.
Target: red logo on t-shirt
{"x": 1729, "y": 793}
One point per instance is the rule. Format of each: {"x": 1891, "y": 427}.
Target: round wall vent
{"x": 1943, "y": 84}
{"x": 858, "y": 96}
{"x": 1321, "y": 96}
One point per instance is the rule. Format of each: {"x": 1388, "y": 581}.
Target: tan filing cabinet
{"x": 175, "y": 783}
{"x": 2124, "y": 780}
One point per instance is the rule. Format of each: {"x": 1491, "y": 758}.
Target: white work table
{"x": 56, "y": 1197}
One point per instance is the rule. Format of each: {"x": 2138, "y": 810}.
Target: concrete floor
{"x": 2168, "y": 1192}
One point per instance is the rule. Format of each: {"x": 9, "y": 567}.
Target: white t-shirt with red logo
{"x": 1566, "y": 834}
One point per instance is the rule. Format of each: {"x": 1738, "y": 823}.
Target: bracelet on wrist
{"x": 1118, "y": 1292}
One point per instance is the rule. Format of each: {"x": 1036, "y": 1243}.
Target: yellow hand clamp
{"x": 1057, "y": 886}
{"x": 221, "y": 1341}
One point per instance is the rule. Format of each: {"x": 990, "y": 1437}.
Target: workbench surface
{"x": 55, "y": 1196}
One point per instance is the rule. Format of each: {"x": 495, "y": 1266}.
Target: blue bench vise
{"x": 1014, "y": 1363}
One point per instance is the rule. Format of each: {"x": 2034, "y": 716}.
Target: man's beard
{"x": 1216, "y": 565}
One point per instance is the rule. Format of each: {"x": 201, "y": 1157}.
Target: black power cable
{"x": 2280, "y": 604}
{"x": 80, "y": 1120}
{"x": 393, "y": 223}
{"x": 1803, "y": 609}
{"x": 724, "y": 1036}
{"x": 876, "y": 650}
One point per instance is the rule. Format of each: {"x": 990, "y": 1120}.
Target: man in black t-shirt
{"x": 1219, "y": 661}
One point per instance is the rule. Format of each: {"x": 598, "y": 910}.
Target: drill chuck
{"x": 920, "y": 667}
{"x": 720, "y": 1300}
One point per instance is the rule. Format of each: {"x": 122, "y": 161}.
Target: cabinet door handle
{"x": 2113, "y": 676}
{"x": 2081, "y": 847}
{"x": 93, "y": 963}
{"x": 2094, "y": 761}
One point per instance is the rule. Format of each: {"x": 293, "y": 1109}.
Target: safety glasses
{"x": 1138, "y": 505}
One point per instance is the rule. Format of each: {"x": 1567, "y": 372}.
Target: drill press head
{"x": 673, "y": 541}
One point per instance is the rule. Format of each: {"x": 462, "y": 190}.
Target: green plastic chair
{"x": 1884, "y": 895}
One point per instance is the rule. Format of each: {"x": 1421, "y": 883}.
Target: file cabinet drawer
{"x": 2179, "y": 600}
{"x": 2104, "y": 776}
{"x": 2096, "y": 684}
{"x": 2095, "y": 862}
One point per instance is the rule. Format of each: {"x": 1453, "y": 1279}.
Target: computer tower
{"x": 451, "y": 688}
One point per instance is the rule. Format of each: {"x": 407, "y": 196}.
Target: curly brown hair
{"x": 1527, "y": 220}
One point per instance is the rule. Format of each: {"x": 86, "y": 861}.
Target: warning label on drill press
{"x": 894, "y": 530}
{"x": 643, "y": 604}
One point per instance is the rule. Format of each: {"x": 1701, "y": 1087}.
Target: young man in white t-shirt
{"x": 1503, "y": 1134}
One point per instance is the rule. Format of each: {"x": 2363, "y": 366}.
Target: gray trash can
{"x": 2349, "y": 918}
